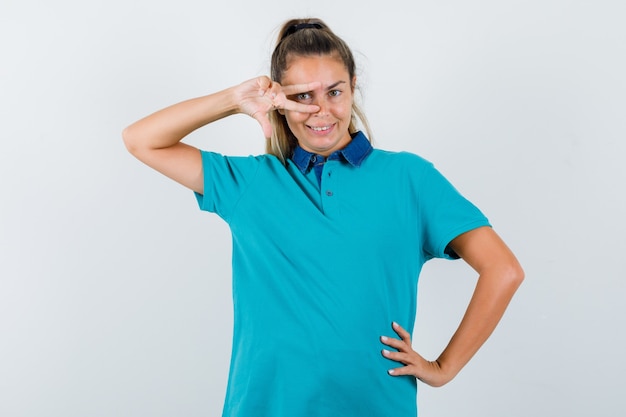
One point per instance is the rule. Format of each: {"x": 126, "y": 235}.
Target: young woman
{"x": 329, "y": 237}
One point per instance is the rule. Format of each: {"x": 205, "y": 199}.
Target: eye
{"x": 334, "y": 93}
{"x": 303, "y": 96}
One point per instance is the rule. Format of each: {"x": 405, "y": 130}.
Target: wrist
{"x": 447, "y": 369}
{"x": 228, "y": 101}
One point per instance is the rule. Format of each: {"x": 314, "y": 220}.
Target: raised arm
{"x": 500, "y": 275}
{"x": 156, "y": 139}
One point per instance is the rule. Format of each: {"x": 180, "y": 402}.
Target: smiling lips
{"x": 320, "y": 129}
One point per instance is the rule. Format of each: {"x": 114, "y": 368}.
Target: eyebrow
{"x": 330, "y": 87}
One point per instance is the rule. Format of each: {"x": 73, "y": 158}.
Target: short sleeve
{"x": 225, "y": 181}
{"x": 445, "y": 213}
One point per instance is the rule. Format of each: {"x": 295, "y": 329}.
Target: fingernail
{"x": 385, "y": 352}
{"x": 391, "y": 372}
{"x": 384, "y": 338}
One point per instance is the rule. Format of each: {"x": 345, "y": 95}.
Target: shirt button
{"x": 329, "y": 193}
{"x": 314, "y": 159}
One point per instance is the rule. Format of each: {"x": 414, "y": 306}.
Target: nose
{"x": 322, "y": 104}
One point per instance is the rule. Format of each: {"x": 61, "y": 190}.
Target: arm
{"x": 156, "y": 139}
{"x": 499, "y": 277}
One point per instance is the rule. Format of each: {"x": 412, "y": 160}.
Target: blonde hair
{"x": 305, "y": 37}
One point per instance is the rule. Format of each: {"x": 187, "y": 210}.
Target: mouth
{"x": 321, "y": 130}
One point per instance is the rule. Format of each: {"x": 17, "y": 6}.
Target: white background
{"x": 115, "y": 288}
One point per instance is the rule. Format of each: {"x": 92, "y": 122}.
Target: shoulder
{"x": 399, "y": 156}
{"x": 399, "y": 161}
{"x": 219, "y": 167}
{"x": 210, "y": 157}
{"x": 262, "y": 158}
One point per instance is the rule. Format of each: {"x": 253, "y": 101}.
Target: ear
{"x": 281, "y": 111}
{"x": 353, "y": 86}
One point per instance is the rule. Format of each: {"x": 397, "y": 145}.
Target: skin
{"x": 156, "y": 139}
{"x": 499, "y": 276}
{"x": 318, "y": 93}
{"x": 326, "y": 130}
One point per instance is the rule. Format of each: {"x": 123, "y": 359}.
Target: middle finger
{"x": 394, "y": 343}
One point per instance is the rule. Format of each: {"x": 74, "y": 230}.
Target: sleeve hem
{"x": 442, "y": 248}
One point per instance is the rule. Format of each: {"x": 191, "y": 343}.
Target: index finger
{"x": 292, "y": 89}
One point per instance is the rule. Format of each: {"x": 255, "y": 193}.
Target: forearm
{"x": 156, "y": 140}
{"x": 167, "y": 127}
{"x": 493, "y": 292}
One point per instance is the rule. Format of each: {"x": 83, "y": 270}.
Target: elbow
{"x": 129, "y": 140}
{"x": 514, "y": 275}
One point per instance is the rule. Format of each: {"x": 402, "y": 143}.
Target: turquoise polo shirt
{"x": 321, "y": 267}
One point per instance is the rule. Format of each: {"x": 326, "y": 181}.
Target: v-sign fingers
{"x": 292, "y": 89}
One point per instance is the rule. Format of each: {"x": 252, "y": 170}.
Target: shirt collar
{"x": 354, "y": 153}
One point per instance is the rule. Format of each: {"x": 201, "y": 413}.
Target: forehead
{"x": 310, "y": 68}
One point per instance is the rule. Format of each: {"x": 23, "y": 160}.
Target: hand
{"x": 428, "y": 372}
{"x": 259, "y": 96}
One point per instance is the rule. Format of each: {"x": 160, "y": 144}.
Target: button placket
{"x": 328, "y": 188}
{"x": 327, "y": 184}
